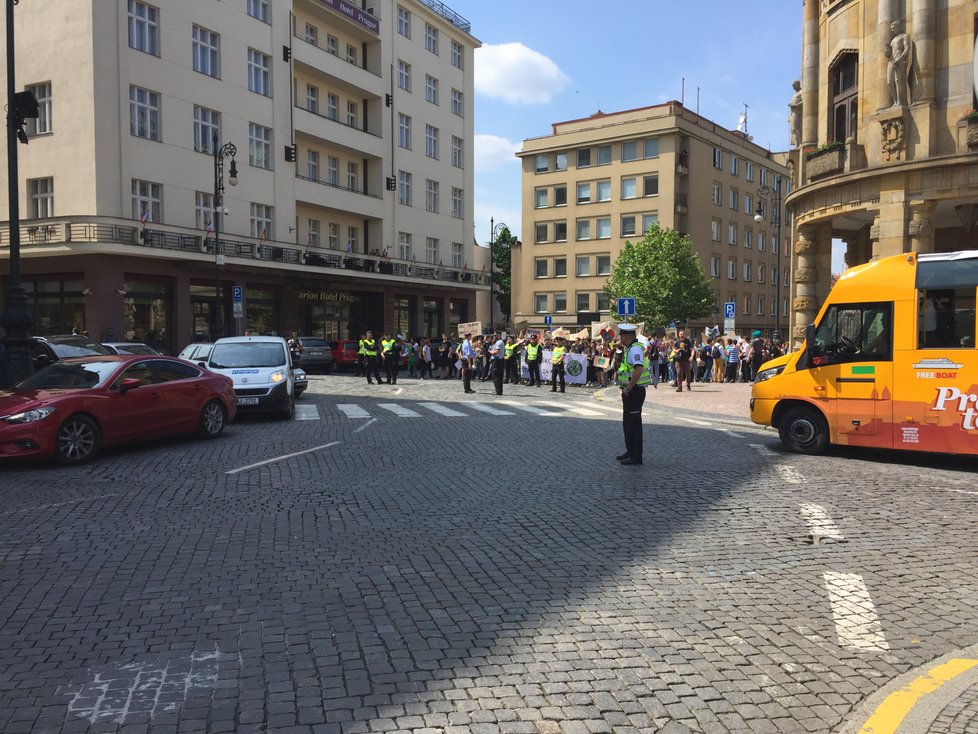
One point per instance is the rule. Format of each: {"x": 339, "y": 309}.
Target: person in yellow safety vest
{"x": 361, "y": 356}
{"x": 511, "y": 355}
{"x": 557, "y": 364}
{"x": 391, "y": 354}
{"x": 633, "y": 376}
{"x": 534, "y": 356}
{"x": 370, "y": 364}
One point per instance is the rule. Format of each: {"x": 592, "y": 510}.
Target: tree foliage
{"x": 663, "y": 273}
{"x": 502, "y": 259}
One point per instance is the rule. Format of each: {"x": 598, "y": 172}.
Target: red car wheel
{"x": 77, "y": 441}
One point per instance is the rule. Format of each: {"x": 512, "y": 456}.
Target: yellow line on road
{"x": 895, "y": 707}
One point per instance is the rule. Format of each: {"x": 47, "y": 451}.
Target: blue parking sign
{"x": 237, "y": 294}
{"x": 730, "y": 309}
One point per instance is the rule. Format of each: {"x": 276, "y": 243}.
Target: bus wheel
{"x": 804, "y": 431}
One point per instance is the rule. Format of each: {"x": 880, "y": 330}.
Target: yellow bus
{"x": 890, "y": 362}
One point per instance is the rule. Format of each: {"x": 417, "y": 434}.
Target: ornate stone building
{"x": 885, "y": 158}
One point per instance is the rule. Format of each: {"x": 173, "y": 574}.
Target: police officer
{"x": 557, "y": 364}
{"x": 369, "y": 346}
{"x": 534, "y": 356}
{"x": 633, "y": 376}
{"x": 498, "y": 354}
{"x": 467, "y": 358}
{"x": 391, "y": 354}
{"x": 361, "y": 357}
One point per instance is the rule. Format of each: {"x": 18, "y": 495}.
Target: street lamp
{"x": 495, "y": 230}
{"x": 766, "y": 193}
{"x": 220, "y": 153}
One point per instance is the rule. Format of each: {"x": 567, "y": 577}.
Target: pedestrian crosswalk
{"x": 466, "y": 409}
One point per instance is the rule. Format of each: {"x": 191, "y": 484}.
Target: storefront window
{"x": 433, "y": 326}
{"x": 262, "y": 311}
{"x": 147, "y": 306}
{"x": 458, "y": 313}
{"x": 402, "y": 317}
{"x": 57, "y": 303}
{"x": 202, "y": 310}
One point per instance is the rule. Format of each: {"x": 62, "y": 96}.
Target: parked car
{"x": 196, "y": 352}
{"x": 48, "y": 349}
{"x": 129, "y": 348}
{"x": 301, "y": 381}
{"x": 261, "y": 368}
{"x": 346, "y": 351}
{"x": 316, "y": 355}
{"x": 73, "y": 407}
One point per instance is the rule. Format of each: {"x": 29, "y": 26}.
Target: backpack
{"x": 717, "y": 351}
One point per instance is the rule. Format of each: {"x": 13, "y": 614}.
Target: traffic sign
{"x": 626, "y": 307}
{"x": 730, "y": 310}
{"x": 548, "y": 320}
{"x": 237, "y": 294}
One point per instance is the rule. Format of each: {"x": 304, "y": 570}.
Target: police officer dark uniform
{"x": 557, "y": 364}
{"x": 369, "y": 346}
{"x": 391, "y": 351}
{"x": 534, "y": 356}
{"x": 633, "y": 376}
{"x": 498, "y": 353}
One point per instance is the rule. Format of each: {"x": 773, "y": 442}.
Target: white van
{"x": 261, "y": 368}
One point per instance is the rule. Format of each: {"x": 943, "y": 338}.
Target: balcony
{"x": 341, "y": 198}
{"x": 682, "y": 203}
{"x": 319, "y": 60}
{"x": 336, "y": 133}
{"x": 448, "y": 14}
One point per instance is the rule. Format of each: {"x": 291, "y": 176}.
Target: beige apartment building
{"x": 885, "y": 155}
{"x": 352, "y": 130}
{"x": 595, "y": 183}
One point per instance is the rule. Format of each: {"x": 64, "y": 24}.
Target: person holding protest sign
{"x": 633, "y": 376}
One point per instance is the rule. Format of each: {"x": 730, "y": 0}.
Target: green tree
{"x": 663, "y": 273}
{"x": 502, "y": 260}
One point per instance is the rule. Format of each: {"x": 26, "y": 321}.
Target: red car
{"x": 71, "y": 408}
{"x": 346, "y": 352}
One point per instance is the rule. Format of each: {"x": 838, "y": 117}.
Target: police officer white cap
{"x": 629, "y": 328}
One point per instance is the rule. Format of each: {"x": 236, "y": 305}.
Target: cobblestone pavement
{"x": 478, "y": 573}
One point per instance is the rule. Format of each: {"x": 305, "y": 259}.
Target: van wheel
{"x": 212, "y": 420}
{"x": 77, "y": 440}
{"x": 804, "y": 431}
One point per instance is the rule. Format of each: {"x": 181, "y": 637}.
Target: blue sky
{"x": 545, "y": 61}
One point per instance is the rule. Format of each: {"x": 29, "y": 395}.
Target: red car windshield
{"x": 69, "y": 376}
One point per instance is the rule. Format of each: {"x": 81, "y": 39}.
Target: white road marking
{"x": 762, "y": 449}
{"x": 856, "y": 622}
{"x": 789, "y": 475}
{"x": 399, "y": 390}
{"x": 399, "y": 410}
{"x": 488, "y": 409}
{"x": 693, "y": 421}
{"x": 282, "y": 458}
{"x": 444, "y": 410}
{"x": 535, "y": 409}
{"x": 306, "y": 413}
{"x": 353, "y": 411}
{"x": 820, "y": 523}
{"x": 961, "y": 491}
{"x": 372, "y": 420}
{"x": 572, "y": 408}
{"x": 732, "y": 434}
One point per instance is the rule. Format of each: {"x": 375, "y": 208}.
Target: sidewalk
{"x": 723, "y": 401}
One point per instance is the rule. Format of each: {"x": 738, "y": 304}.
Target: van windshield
{"x": 248, "y": 354}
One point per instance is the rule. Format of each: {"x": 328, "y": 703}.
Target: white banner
{"x": 575, "y": 368}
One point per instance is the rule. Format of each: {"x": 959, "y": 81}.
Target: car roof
{"x": 248, "y": 339}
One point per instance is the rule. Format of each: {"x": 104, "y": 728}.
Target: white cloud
{"x": 493, "y": 152}
{"x": 517, "y": 74}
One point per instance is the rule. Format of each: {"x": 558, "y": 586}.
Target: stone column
{"x": 805, "y": 304}
{"x": 887, "y": 12}
{"x": 874, "y": 237}
{"x": 809, "y": 75}
{"x": 925, "y": 41}
{"x": 921, "y": 228}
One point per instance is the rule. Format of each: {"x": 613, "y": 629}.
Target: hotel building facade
{"x": 352, "y": 130}
{"x": 595, "y": 183}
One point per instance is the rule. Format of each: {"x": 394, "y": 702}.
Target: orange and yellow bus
{"x": 890, "y": 362}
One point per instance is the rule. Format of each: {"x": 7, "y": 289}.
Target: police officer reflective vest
{"x": 361, "y": 350}
{"x": 558, "y": 353}
{"x": 387, "y": 345}
{"x": 509, "y": 350}
{"x": 625, "y": 369}
{"x": 531, "y": 352}
{"x": 369, "y": 347}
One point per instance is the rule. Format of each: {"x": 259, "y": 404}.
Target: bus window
{"x": 946, "y": 318}
{"x": 856, "y": 332}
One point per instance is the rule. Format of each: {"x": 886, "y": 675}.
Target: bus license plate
{"x": 247, "y": 401}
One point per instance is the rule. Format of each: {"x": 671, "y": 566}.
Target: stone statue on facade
{"x": 899, "y": 54}
{"x": 794, "y": 118}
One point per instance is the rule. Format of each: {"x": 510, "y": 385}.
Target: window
{"x": 404, "y": 75}
{"x": 650, "y": 185}
{"x": 351, "y": 54}
{"x": 457, "y": 255}
{"x": 604, "y": 303}
{"x": 583, "y": 157}
{"x": 540, "y": 197}
{"x": 431, "y": 195}
{"x": 312, "y": 164}
{"x": 746, "y": 305}
{"x": 560, "y": 302}
{"x": 604, "y": 190}
{"x": 352, "y": 114}
{"x": 431, "y": 250}
{"x": 560, "y": 162}
{"x": 761, "y": 244}
{"x": 332, "y": 45}
{"x": 763, "y": 178}
{"x": 845, "y": 91}
{"x": 312, "y": 227}
{"x": 258, "y": 9}
{"x": 582, "y": 266}
{"x": 604, "y": 264}
{"x": 258, "y": 65}
{"x": 540, "y": 233}
{"x": 731, "y": 269}
{"x": 333, "y": 170}
{"x": 457, "y": 152}
{"x": 731, "y": 234}
{"x": 717, "y": 194}
{"x": 760, "y": 273}
{"x": 147, "y": 201}
{"x": 748, "y": 237}
{"x": 603, "y": 229}
{"x": 760, "y": 305}
{"x": 332, "y": 107}
{"x": 41, "y": 125}
{"x": 648, "y": 220}
{"x": 651, "y": 148}
{"x": 560, "y": 196}
{"x": 583, "y": 229}
{"x": 404, "y": 245}
{"x": 205, "y": 51}
{"x": 403, "y": 22}
{"x": 540, "y": 268}
{"x": 431, "y": 141}
{"x": 312, "y": 34}
{"x": 431, "y": 39}
{"x": 583, "y": 193}
{"x": 734, "y": 197}
{"x": 261, "y": 221}
{"x": 334, "y": 236}
{"x": 946, "y": 316}
{"x": 627, "y": 225}
{"x": 352, "y": 176}
{"x": 203, "y": 209}
{"x": 207, "y": 129}
{"x": 714, "y": 266}
{"x": 629, "y": 151}
{"x": 748, "y": 204}
{"x": 404, "y": 131}
{"x": 144, "y": 113}
{"x": 456, "y": 202}
{"x": 404, "y": 188}
{"x": 861, "y": 332}
{"x": 431, "y": 89}
{"x": 259, "y": 146}
{"x": 715, "y": 230}
{"x": 604, "y": 155}
{"x": 560, "y": 231}
{"x": 144, "y": 27}
{"x": 749, "y": 171}
{"x": 734, "y": 165}
{"x": 540, "y": 302}
{"x": 457, "y": 103}
{"x": 312, "y": 99}
{"x": 41, "y": 192}
{"x": 718, "y": 159}
{"x": 747, "y": 271}
{"x": 542, "y": 163}
{"x": 458, "y": 55}
{"x": 628, "y": 189}
{"x": 352, "y": 239}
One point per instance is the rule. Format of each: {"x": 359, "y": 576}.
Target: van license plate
{"x": 247, "y": 401}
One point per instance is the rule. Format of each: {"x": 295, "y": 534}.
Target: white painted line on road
{"x": 762, "y": 449}
{"x": 960, "y": 491}
{"x": 535, "y": 409}
{"x": 444, "y": 410}
{"x": 732, "y": 434}
{"x": 399, "y": 390}
{"x": 399, "y": 410}
{"x": 372, "y": 420}
{"x": 353, "y": 411}
{"x": 820, "y": 523}
{"x": 856, "y": 622}
{"x": 789, "y": 475}
{"x": 282, "y": 458}
{"x": 692, "y": 420}
{"x": 572, "y": 408}
{"x": 488, "y": 409}
{"x": 306, "y": 413}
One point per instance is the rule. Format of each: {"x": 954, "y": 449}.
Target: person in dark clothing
{"x": 684, "y": 352}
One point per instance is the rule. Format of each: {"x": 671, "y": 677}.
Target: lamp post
{"x": 495, "y": 230}
{"x": 766, "y": 193}
{"x": 220, "y": 153}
